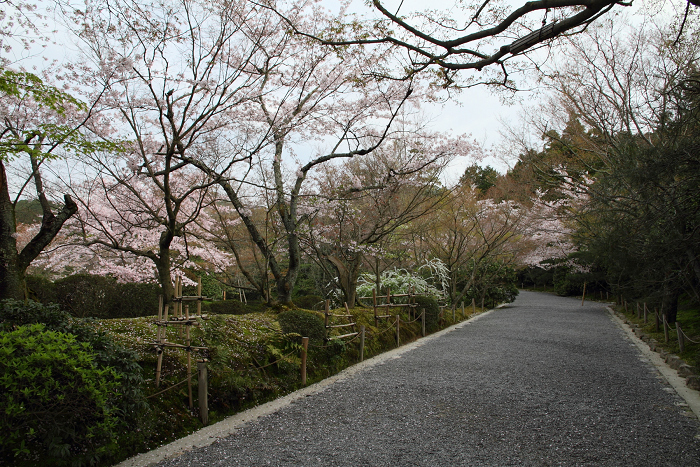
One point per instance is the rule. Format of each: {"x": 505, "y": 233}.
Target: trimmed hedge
{"x": 86, "y": 295}
{"x": 226, "y": 307}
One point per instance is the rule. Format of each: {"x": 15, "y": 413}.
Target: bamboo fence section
{"x": 181, "y": 317}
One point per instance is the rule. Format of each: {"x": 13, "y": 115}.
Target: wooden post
{"x": 202, "y": 391}
{"x": 626, "y": 310}
{"x": 160, "y": 338}
{"x": 665, "y": 328}
{"x": 224, "y": 295}
{"x": 482, "y": 303}
{"x": 304, "y": 351}
{"x": 454, "y": 315}
{"x": 681, "y": 342}
{"x": 398, "y": 330}
{"x": 362, "y": 342}
{"x": 656, "y": 317}
{"x": 645, "y": 315}
{"x": 199, "y": 294}
{"x": 189, "y": 356}
{"x": 422, "y": 318}
{"x": 325, "y": 314}
{"x": 583, "y": 297}
{"x": 473, "y": 306}
{"x": 374, "y": 301}
{"x": 463, "y": 315}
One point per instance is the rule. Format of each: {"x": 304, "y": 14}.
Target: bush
{"x": 302, "y": 322}
{"x": 567, "y": 284}
{"x": 225, "y": 307}
{"x": 432, "y": 312}
{"x": 107, "y": 354}
{"x": 308, "y": 301}
{"x": 41, "y": 289}
{"x": 84, "y": 295}
{"x": 55, "y": 399}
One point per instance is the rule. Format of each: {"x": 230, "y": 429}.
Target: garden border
{"x": 210, "y": 434}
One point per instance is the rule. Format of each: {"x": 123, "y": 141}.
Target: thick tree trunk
{"x": 10, "y": 276}
{"x": 163, "y": 267}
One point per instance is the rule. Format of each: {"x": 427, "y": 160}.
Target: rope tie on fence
{"x": 276, "y": 361}
{"x": 390, "y": 328}
{"x": 168, "y": 389}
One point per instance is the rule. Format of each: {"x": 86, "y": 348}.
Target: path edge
{"x": 691, "y": 396}
{"x": 210, "y": 434}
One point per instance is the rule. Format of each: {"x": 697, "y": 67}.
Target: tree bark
{"x": 10, "y": 282}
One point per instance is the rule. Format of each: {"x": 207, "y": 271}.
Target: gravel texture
{"x": 544, "y": 381}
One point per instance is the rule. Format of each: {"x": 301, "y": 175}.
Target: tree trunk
{"x": 670, "y": 302}
{"x": 10, "y": 276}
{"x": 347, "y": 276}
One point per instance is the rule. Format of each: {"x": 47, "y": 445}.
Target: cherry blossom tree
{"x": 309, "y": 95}
{"x": 181, "y": 77}
{"x": 363, "y": 204}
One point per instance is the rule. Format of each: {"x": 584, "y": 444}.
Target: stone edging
{"x": 680, "y": 376}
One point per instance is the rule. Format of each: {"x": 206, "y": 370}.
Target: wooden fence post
{"x": 645, "y": 315}
{"x": 325, "y": 314}
{"x": 203, "y": 394}
{"x": 362, "y": 342}
{"x": 398, "y": 330}
{"x": 374, "y": 301}
{"x": 583, "y": 297}
{"x": 463, "y": 315}
{"x": 656, "y": 317}
{"x": 681, "y": 343}
{"x": 304, "y": 351}
{"x": 665, "y": 328}
{"x": 422, "y": 318}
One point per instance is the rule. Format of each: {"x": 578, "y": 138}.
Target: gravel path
{"x": 543, "y": 381}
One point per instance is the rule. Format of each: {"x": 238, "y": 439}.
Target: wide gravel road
{"x": 543, "y": 381}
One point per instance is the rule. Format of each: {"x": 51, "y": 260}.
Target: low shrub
{"x": 119, "y": 363}
{"x": 225, "y": 307}
{"x": 41, "y": 289}
{"x": 84, "y": 295}
{"x": 302, "y": 322}
{"x": 55, "y": 399}
{"x": 432, "y": 311}
{"x": 308, "y": 302}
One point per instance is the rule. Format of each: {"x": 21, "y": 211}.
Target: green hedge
{"x": 129, "y": 400}
{"x": 86, "y": 295}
